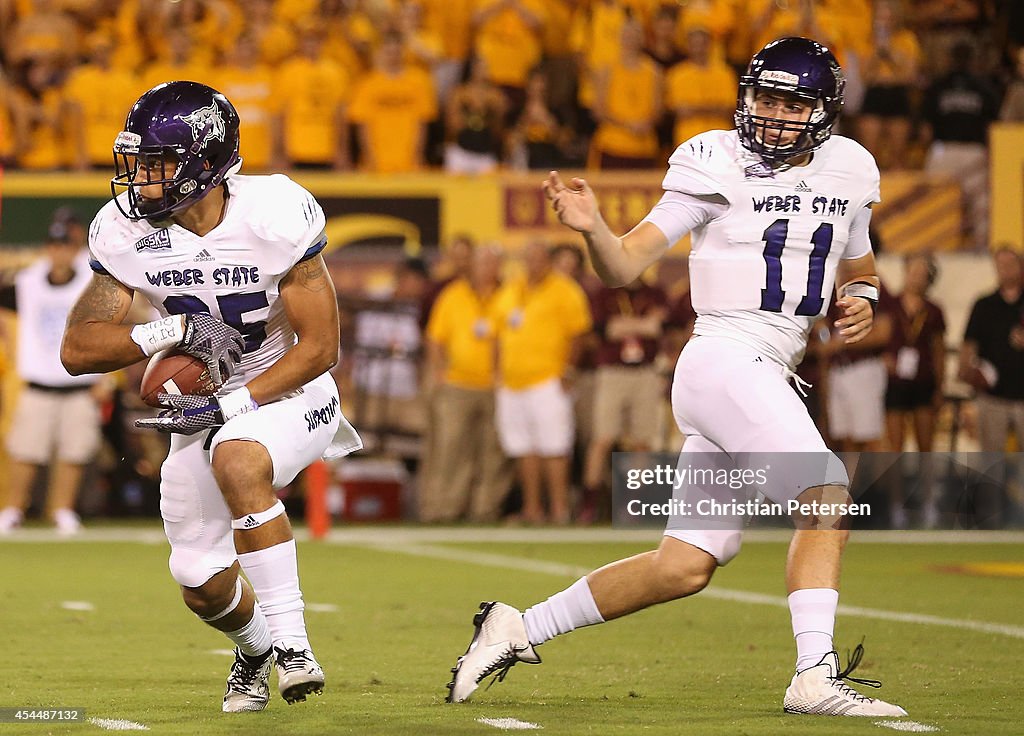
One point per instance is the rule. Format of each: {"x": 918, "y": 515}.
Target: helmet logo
{"x": 774, "y": 75}
{"x": 206, "y": 120}
{"x": 127, "y": 142}
{"x": 188, "y": 186}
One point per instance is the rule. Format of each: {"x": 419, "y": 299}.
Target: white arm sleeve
{"x": 859, "y": 244}
{"x": 676, "y": 214}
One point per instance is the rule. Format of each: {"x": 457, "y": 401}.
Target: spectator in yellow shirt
{"x": 467, "y": 472}
{"x": 717, "y": 17}
{"x": 96, "y": 95}
{"x": 181, "y": 65}
{"x": 509, "y": 36}
{"x": 451, "y": 20}
{"x": 275, "y": 39}
{"x": 891, "y": 71}
{"x": 391, "y": 108}
{"x": 540, "y": 321}
{"x": 594, "y": 37}
{"x": 36, "y": 110}
{"x": 312, "y": 93}
{"x": 44, "y": 32}
{"x": 423, "y": 46}
{"x": 628, "y": 106}
{"x": 701, "y": 91}
{"x": 249, "y": 84}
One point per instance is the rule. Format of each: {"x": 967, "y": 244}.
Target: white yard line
{"x": 907, "y": 726}
{"x": 509, "y": 724}
{"x": 114, "y": 724}
{"x": 545, "y": 567}
{"x": 77, "y": 606}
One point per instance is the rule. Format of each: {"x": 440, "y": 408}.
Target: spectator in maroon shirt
{"x": 628, "y": 392}
{"x": 915, "y": 359}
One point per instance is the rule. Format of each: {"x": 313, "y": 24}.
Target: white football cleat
{"x": 247, "y": 688}
{"x": 499, "y": 642}
{"x": 10, "y": 519}
{"x": 298, "y": 672}
{"x": 820, "y": 690}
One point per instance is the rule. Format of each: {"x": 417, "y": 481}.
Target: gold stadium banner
{"x": 625, "y": 198}
{"x": 1006, "y": 171}
{"x": 414, "y": 210}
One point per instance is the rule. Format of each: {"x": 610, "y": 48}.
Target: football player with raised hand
{"x": 778, "y": 209}
{"x": 234, "y": 265}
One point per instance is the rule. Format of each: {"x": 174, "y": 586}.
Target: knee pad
{"x": 722, "y": 544}
{"x": 192, "y": 568}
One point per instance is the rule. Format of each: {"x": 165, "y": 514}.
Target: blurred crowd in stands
{"x": 472, "y": 85}
{"x": 504, "y": 383}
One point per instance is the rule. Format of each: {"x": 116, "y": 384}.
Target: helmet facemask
{"x": 761, "y": 129}
{"x": 789, "y": 68}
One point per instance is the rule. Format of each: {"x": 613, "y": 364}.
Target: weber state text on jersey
{"x": 763, "y": 270}
{"x": 233, "y": 272}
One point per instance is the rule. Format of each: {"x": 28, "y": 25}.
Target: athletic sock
{"x": 814, "y": 618}
{"x": 274, "y": 575}
{"x": 253, "y": 639}
{"x": 563, "y": 612}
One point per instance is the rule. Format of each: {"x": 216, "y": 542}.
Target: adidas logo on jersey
{"x": 802, "y": 186}
{"x": 204, "y": 255}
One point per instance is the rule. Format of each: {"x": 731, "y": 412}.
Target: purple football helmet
{"x": 182, "y": 136}
{"x": 799, "y": 67}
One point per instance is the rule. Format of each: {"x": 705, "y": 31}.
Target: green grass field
{"x": 391, "y": 611}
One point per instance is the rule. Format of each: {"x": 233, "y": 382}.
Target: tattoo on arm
{"x": 310, "y": 275}
{"x": 101, "y": 301}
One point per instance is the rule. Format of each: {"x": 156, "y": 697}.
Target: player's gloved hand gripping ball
{"x": 219, "y": 346}
{"x": 200, "y": 334}
{"x": 191, "y": 414}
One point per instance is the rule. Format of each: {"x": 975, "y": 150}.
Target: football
{"x": 175, "y": 372}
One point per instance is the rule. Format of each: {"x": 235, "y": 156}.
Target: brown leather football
{"x": 175, "y": 372}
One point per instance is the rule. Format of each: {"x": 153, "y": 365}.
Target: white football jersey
{"x": 233, "y": 272}
{"x": 763, "y": 270}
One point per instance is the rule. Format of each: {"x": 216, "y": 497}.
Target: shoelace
{"x": 290, "y": 659}
{"x": 243, "y": 675}
{"x": 852, "y": 660}
{"x": 502, "y": 664}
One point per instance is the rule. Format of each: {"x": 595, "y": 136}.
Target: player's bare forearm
{"x": 311, "y": 305}
{"x": 858, "y": 315}
{"x": 95, "y": 341}
{"x": 607, "y": 255}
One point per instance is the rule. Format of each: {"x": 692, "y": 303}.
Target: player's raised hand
{"x": 574, "y": 203}
{"x": 857, "y": 319}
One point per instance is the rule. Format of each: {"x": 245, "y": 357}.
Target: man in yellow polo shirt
{"x": 467, "y": 474}
{"x": 540, "y": 320}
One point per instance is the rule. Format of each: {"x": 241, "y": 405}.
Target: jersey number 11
{"x": 772, "y": 296}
